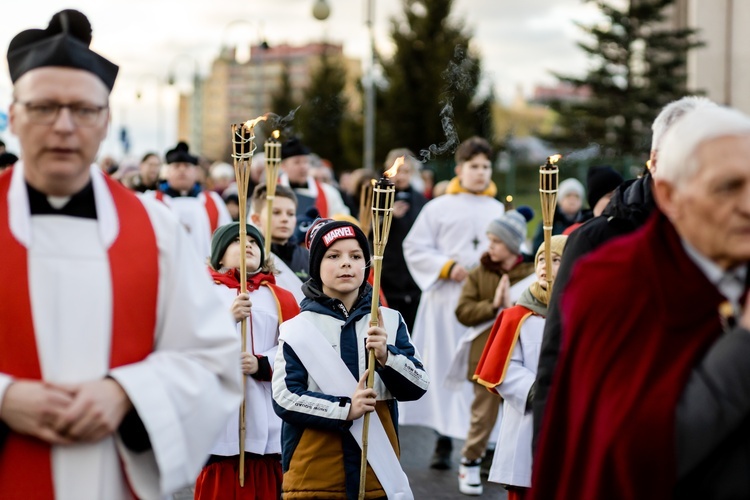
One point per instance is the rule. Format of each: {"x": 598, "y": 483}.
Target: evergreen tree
{"x": 431, "y": 83}
{"x": 639, "y": 65}
{"x": 322, "y": 117}
{"x": 282, "y": 101}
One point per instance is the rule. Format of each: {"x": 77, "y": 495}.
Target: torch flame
{"x": 394, "y": 169}
{"x": 553, "y": 159}
{"x": 276, "y": 134}
{"x": 509, "y": 198}
{"x": 253, "y": 123}
{"x": 648, "y": 164}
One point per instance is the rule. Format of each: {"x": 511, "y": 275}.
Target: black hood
{"x": 631, "y": 203}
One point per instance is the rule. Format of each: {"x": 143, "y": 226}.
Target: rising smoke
{"x": 591, "y": 151}
{"x": 283, "y": 124}
{"x": 458, "y": 79}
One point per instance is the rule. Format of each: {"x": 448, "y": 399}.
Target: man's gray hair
{"x": 677, "y": 161}
{"x": 671, "y": 112}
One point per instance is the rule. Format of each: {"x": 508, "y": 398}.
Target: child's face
{"x": 402, "y": 179}
{"x": 232, "y": 255}
{"x": 497, "y": 250}
{"x": 342, "y": 270}
{"x": 475, "y": 173}
{"x": 541, "y": 269}
{"x": 234, "y": 210}
{"x": 283, "y": 219}
{"x": 571, "y": 204}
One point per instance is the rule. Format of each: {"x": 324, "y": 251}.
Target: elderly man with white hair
{"x": 652, "y": 393}
{"x": 629, "y": 208}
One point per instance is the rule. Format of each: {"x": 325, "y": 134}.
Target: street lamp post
{"x": 194, "y": 124}
{"x": 159, "y": 121}
{"x": 321, "y": 11}
{"x": 369, "y": 153}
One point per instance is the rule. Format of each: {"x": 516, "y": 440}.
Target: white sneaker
{"x": 469, "y": 481}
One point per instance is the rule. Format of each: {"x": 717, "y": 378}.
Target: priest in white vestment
{"x": 199, "y": 210}
{"x": 118, "y": 364}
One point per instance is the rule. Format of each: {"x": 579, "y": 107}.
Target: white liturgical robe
{"x": 183, "y": 391}
{"x": 450, "y": 227}
{"x": 192, "y": 213}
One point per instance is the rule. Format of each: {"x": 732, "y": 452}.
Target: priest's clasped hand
{"x": 65, "y": 414}
{"x": 33, "y": 407}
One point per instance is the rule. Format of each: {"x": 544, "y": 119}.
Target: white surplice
{"x": 263, "y": 426}
{"x": 286, "y": 278}
{"x": 450, "y": 227}
{"x": 183, "y": 391}
{"x": 513, "y": 458}
{"x": 192, "y": 214}
{"x": 335, "y": 203}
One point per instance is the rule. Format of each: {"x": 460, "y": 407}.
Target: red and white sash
{"x": 321, "y": 202}
{"x": 212, "y": 211}
{"x": 330, "y": 373}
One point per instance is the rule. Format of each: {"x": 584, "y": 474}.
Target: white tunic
{"x": 333, "y": 198}
{"x": 192, "y": 214}
{"x": 262, "y": 425}
{"x": 183, "y": 391}
{"x": 451, "y": 227}
{"x": 287, "y": 280}
{"x": 512, "y": 462}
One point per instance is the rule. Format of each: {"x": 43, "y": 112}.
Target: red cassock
{"x": 637, "y": 317}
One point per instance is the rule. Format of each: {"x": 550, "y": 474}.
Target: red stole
{"x": 286, "y": 304}
{"x": 25, "y": 462}
{"x": 321, "y": 203}
{"x": 212, "y": 211}
{"x": 495, "y": 358}
{"x": 628, "y": 347}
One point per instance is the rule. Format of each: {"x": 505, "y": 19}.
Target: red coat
{"x": 637, "y": 317}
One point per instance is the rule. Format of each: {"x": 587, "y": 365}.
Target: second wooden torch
{"x": 383, "y": 196}
{"x": 272, "y": 149}
{"x": 548, "y": 177}
{"x": 243, "y": 147}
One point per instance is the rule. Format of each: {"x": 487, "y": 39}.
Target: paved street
{"x": 417, "y": 444}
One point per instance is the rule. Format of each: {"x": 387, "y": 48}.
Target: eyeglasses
{"x": 46, "y": 112}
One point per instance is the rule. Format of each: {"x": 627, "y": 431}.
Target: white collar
{"x": 19, "y": 212}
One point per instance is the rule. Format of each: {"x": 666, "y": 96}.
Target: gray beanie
{"x": 571, "y": 186}
{"x": 511, "y": 229}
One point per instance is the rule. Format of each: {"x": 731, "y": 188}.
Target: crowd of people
{"x": 123, "y": 373}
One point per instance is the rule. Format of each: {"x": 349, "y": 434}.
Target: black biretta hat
{"x": 181, "y": 154}
{"x": 7, "y": 159}
{"x": 293, "y": 147}
{"x": 65, "y": 43}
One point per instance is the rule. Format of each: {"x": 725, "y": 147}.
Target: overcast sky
{"x": 520, "y": 42}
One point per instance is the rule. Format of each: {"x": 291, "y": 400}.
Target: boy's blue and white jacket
{"x": 315, "y": 432}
